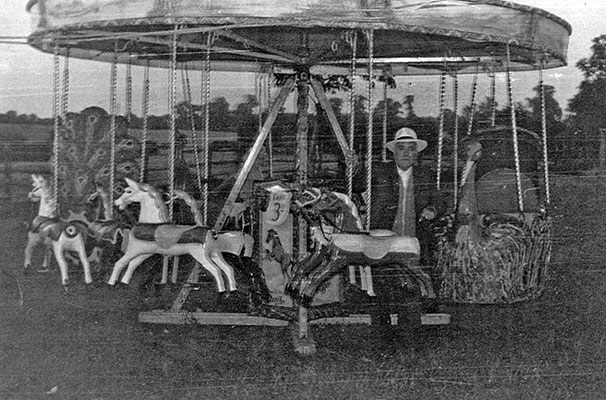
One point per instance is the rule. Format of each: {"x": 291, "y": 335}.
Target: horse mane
{"x": 353, "y": 209}
{"x": 158, "y": 200}
{"x": 193, "y": 205}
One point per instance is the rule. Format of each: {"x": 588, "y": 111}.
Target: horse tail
{"x": 193, "y": 205}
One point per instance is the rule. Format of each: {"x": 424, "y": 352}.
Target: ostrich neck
{"x": 468, "y": 207}
{"x": 467, "y": 212}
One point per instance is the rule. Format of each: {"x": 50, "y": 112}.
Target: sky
{"x": 26, "y": 74}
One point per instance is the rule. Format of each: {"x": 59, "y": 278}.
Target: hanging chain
{"x": 56, "y": 118}
{"x": 441, "y": 129}
{"x": 455, "y": 161}
{"x": 544, "y": 134}
{"x": 145, "y": 124}
{"x": 129, "y": 95}
{"x": 270, "y": 140}
{"x": 192, "y": 128}
{"x": 112, "y": 132}
{"x": 172, "y": 94}
{"x": 206, "y": 137}
{"x": 514, "y": 130}
{"x": 493, "y": 96}
{"x": 368, "y": 193}
{"x": 65, "y": 94}
{"x": 352, "y": 39}
{"x": 472, "y": 107}
{"x": 384, "y": 143}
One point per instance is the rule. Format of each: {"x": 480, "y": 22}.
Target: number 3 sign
{"x": 277, "y": 207}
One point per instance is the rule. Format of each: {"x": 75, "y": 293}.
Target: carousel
{"x": 290, "y": 248}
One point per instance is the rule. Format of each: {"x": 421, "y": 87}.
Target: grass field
{"x": 89, "y": 345}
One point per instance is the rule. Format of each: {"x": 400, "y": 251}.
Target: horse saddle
{"x": 167, "y": 235}
{"x": 41, "y": 223}
{"x": 54, "y": 227}
{"x": 376, "y": 247}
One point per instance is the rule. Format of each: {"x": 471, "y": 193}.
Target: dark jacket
{"x": 386, "y": 192}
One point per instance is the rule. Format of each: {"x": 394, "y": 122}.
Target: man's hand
{"x": 428, "y": 214}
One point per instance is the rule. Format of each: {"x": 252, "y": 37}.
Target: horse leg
{"x": 326, "y": 270}
{"x": 79, "y": 247}
{"x": 132, "y": 266}
{"x": 175, "y": 273}
{"x": 352, "y": 274}
{"x": 219, "y": 261}
{"x": 48, "y": 253}
{"x": 119, "y": 266}
{"x": 58, "y": 249}
{"x": 363, "y": 282}
{"x": 199, "y": 253}
{"x": 33, "y": 239}
{"x": 368, "y": 275}
{"x": 165, "y": 261}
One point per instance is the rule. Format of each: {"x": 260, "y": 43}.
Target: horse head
{"x": 153, "y": 208}
{"x": 133, "y": 193}
{"x": 335, "y": 208}
{"x": 41, "y": 188}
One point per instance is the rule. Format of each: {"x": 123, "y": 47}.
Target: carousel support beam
{"x": 216, "y": 49}
{"x": 254, "y": 153}
{"x": 302, "y": 127}
{"x": 332, "y": 118}
{"x": 251, "y": 43}
{"x": 303, "y": 341}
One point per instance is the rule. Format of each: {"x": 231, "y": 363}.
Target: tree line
{"x": 574, "y": 141}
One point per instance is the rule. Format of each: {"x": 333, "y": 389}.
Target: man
{"x": 401, "y": 194}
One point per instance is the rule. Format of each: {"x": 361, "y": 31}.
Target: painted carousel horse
{"x": 339, "y": 241}
{"x": 154, "y": 234}
{"x": 55, "y": 233}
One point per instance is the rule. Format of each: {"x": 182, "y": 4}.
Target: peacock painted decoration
{"x": 84, "y": 158}
{"x": 494, "y": 255}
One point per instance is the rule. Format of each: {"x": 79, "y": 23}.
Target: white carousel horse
{"x": 55, "y": 233}
{"x": 335, "y": 228}
{"x": 154, "y": 234}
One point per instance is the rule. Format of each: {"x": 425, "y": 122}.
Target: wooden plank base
{"x": 215, "y": 318}
{"x": 210, "y": 318}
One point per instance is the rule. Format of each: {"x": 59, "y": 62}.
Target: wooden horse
{"x": 154, "y": 234}
{"x": 339, "y": 242}
{"x": 55, "y": 233}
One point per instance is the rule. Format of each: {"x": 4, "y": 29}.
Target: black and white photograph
{"x": 302, "y": 199}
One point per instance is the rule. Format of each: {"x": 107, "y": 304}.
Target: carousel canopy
{"x": 409, "y": 36}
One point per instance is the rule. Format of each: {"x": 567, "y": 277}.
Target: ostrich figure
{"x": 496, "y": 258}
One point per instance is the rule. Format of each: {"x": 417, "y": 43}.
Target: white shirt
{"x": 404, "y": 179}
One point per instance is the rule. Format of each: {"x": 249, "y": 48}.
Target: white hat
{"x": 406, "y": 135}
